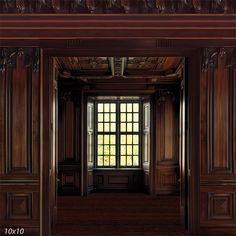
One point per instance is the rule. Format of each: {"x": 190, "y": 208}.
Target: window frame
{"x": 117, "y": 133}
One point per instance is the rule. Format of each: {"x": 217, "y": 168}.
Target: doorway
{"x": 83, "y": 101}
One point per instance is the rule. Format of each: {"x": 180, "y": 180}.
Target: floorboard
{"x": 118, "y": 214}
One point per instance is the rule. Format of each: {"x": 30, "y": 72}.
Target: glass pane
{"x": 129, "y": 139}
{"x": 123, "y": 139}
{"x": 100, "y": 127}
{"x": 106, "y": 139}
{"x": 123, "y": 160}
{"x": 113, "y": 117}
{"x": 112, "y": 161}
{"x": 123, "y": 117}
{"x": 123, "y": 127}
{"x": 136, "y": 117}
{"x": 129, "y": 107}
{"x": 100, "y": 139}
{"x": 135, "y": 139}
{"x": 106, "y": 161}
{"x": 129, "y": 127}
{"x": 123, "y": 107}
{"x": 129, "y": 150}
{"x": 113, "y": 150}
{"x": 113, "y": 127}
{"x": 100, "y": 117}
{"x": 112, "y": 139}
{"x": 135, "y": 107}
{"x": 106, "y": 109}
{"x": 113, "y": 107}
{"x": 100, "y": 149}
{"x": 123, "y": 150}
{"x": 135, "y": 161}
{"x": 135, "y": 149}
{"x": 106, "y": 127}
{"x": 129, "y": 161}
{"x": 129, "y": 117}
{"x": 100, "y": 161}
{"x": 135, "y": 127}
{"x": 106, "y": 150}
{"x": 107, "y": 117}
{"x": 100, "y": 107}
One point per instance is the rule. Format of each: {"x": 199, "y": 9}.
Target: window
{"x": 117, "y": 134}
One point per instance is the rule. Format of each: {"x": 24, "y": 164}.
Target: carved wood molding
{"x": 8, "y": 58}
{"x": 164, "y": 95}
{"x": 118, "y": 6}
{"x": 210, "y": 57}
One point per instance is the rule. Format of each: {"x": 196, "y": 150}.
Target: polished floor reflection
{"x": 119, "y": 214}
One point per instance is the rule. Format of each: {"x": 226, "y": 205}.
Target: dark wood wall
{"x": 218, "y": 144}
{"x": 167, "y": 142}
{"x": 69, "y": 146}
{"x": 19, "y": 139}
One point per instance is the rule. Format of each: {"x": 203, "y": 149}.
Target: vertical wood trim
{"x": 193, "y": 152}
{"x": 2, "y": 120}
{"x": 46, "y": 83}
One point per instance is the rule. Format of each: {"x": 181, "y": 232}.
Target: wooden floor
{"x": 118, "y": 214}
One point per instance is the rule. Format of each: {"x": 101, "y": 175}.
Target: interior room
{"x": 117, "y": 117}
{"x": 125, "y": 116}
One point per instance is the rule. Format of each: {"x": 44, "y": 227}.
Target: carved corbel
{"x": 210, "y": 58}
{"x": 164, "y": 95}
{"x": 8, "y": 58}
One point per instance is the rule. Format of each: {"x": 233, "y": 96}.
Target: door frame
{"x": 193, "y": 108}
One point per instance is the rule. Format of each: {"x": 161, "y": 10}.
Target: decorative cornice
{"x": 118, "y": 6}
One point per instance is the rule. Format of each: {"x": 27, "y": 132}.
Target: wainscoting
{"x": 129, "y": 180}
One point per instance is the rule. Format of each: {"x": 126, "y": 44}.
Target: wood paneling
{"x": 218, "y": 128}
{"x": 68, "y": 142}
{"x": 20, "y": 103}
{"x": 167, "y": 166}
{"x": 131, "y": 180}
{"x": 19, "y": 139}
{"x": 19, "y": 205}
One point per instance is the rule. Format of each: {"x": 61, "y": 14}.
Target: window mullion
{"x": 118, "y": 134}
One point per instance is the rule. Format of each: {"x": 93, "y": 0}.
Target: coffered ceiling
{"x": 85, "y": 68}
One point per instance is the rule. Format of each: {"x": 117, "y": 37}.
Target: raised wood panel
{"x": 131, "y": 180}
{"x": 20, "y": 104}
{"x": 69, "y": 180}
{"x": 167, "y": 127}
{"x": 167, "y": 179}
{"x": 218, "y": 205}
{"x": 218, "y": 114}
{"x": 221, "y": 205}
{"x": 19, "y": 205}
{"x": 219, "y": 133}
